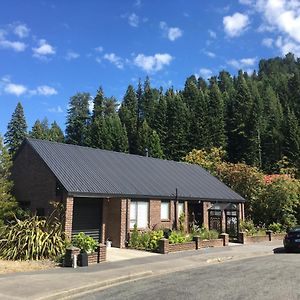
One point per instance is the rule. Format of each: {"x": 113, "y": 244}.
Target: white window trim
{"x": 135, "y": 220}
{"x": 161, "y": 212}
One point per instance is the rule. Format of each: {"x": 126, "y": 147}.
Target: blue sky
{"x": 49, "y": 50}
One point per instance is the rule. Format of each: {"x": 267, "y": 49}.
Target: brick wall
{"x": 155, "y": 215}
{"x": 211, "y": 243}
{"x": 182, "y": 247}
{"x": 165, "y": 247}
{"x": 33, "y": 181}
{"x": 206, "y": 206}
{"x": 69, "y": 203}
{"x": 114, "y": 221}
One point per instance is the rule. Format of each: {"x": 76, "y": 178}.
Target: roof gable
{"x": 94, "y": 172}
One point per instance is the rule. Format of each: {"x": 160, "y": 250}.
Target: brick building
{"x": 105, "y": 193}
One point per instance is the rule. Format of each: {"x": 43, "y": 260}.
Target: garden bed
{"x": 251, "y": 239}
{"x": 165, "y": 247}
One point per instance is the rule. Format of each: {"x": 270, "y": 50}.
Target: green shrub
{"x": 181, "y": 221}
{"x": 209, "y": 234}
{"x": 86, "y": 243}
{"x": 155, "y": 236}
{"x": 33, "y": 238}
{"x": 147, "y": 240}
{"x": 134, "y": 241}
{"x": 276, "y": 227}
{"x": 250, "y": 229}
{"x": 177, "y": 237}
{"x": 203, "y": 232}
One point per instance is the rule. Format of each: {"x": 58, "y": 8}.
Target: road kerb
{"x": 97, "y": 286}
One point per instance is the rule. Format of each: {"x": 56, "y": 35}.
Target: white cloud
{"x": 72, "y": 55}
{"x": 287, "y": 45}
{"x": 45, "y": 90}
{"x": 236, "y": 24}
{"x": 267, "y": 42}
{"x": 21, "y": 30}
{"x": 246, "y": 2}
{"x": 281, "y": 17}
{"x": 133, "y": 20}
{"x": 212, "y": 34}
{"x": 91, "y": 105}
{"x": 99, "y": 49}
{"x": 56, "y": 109}
{"x": 16, "y": 46}
{"x": 204, "y": 73}
{"x": 153, "y": 63}
{"x": 43, "y": 50}
{"x": 138, "y": 3}
{"x": 209, "y": 53}
{"x": 114, "y": 59}
{"x": 172, "y": 33}
{"x": 15, "y": 89}
{"x": 242, "y": 63}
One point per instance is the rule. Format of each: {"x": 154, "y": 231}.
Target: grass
{"x": 10, "y": 266}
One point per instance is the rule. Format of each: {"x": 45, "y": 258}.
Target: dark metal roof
{"x": 93, "y": 172}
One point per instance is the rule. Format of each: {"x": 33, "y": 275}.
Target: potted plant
{"x": 87, "y": 245}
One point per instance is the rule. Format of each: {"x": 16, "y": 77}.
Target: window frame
{"x": 161, "y": 205}
{"x": 183, "y": 208}
{"x": 136, "y": 217}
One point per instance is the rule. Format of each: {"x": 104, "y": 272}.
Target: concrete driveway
{"x": 117, "y": 254}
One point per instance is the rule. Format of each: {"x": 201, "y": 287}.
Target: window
{"x": 139, "y": 214}
{"x": 165, "y": 210}
{"x": 180, "y": 208}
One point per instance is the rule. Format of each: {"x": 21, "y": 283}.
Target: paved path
{"x": 63, "y": 282}
{"x": 117, "y": 254}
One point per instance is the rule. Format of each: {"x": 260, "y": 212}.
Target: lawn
{"x": 9, "y": 266}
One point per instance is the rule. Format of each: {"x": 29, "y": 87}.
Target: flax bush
{"x": 34, "y": 238}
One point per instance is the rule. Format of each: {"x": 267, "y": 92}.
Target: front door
{"x": 195, "y": 213}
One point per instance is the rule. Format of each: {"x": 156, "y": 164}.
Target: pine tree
{"x": 149, "y": 141}
{"x": 198, "y": 136}
{"x": 238, "y": 111}
{"x": 98, "y": 102}
{"x": 149, "y": 102}
{"x": 143, "y": 138}
{"x": 109, "y": 106}
{"x": 40, "y": 130}
{"x": 272, "y": 137}
{"x": 292, "y": 139}
{"x": 160, "y": 121}
{"x": 128, "y": 113}
{"x": 116, "y": 137}
{"x": 55, "y": 133}
{"x": 16, "y": 130}
{"x": 177, "y": 116}
{"x": 77, "y": 129}
{"x": 8, "y": 205}
{"x": 155, "y": 149}
{"x": 98, "y": 128}
{"x": 216, "y": 116}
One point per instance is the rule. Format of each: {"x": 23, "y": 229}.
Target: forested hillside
{"x": 254, "y": 117}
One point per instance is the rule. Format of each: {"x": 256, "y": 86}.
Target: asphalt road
{"x": 271, "y": 277}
